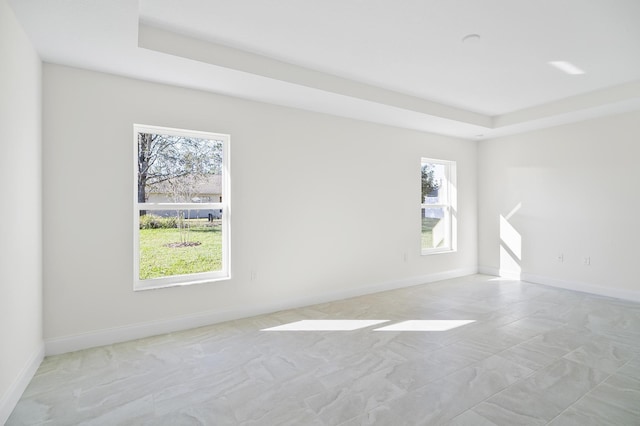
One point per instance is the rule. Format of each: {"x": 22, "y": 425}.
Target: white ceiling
{"x": 401, "y": 63}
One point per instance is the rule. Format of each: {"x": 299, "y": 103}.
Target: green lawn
{"x": 158, "y": 260}
{"x": 428, "y": 224}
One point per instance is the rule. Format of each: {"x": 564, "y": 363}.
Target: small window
{"x": 180, "y": 235}
{"x": 438, "y": 200}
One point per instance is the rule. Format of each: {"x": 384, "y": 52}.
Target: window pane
{"x": 179, "y": 169}
{"x": 434, "y": 183}
{"x": 179, "y": 242}
{"x": 434, "y": 228}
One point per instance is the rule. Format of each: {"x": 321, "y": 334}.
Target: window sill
{"x": 429, "y": 252}
{"x": 155, "y": 284}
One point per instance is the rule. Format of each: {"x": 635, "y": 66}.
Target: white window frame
{"x": 224, "y": 206}
{"x": 448, "y": 202}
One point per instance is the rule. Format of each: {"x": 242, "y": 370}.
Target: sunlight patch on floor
{"x": 325, "y": 325}
{"x": 350, "y": 325}
{"x": 425, "y": 325}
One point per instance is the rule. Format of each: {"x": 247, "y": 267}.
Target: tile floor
{"x": 534, "y": 355}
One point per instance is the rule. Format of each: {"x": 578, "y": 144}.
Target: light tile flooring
{"x": 534, "y": 355}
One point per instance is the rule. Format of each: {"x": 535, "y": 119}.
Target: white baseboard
{"x": 152, "y": 328}
{"x": 12, "y": 395}
{"x": 617, "y": 293}
{"x": 503, "y": 273}
{"x": 633, "y": 296}
{"x": 488, "y": 270}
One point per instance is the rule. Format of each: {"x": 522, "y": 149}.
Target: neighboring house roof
{"x": 211, "y": 185}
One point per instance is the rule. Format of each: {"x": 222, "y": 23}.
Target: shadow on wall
{"x": 510, "y": 247}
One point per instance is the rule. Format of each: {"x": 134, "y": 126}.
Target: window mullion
{"x": 179, "y": 206}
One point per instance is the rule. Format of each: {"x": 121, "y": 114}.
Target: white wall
{"x": 323, "y": 207}
{"x": 20, "y": 219}
{"x": 577, "y": 186}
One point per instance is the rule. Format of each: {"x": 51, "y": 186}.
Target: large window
{"x": 181, "y": 214}
{"x": 438, "y": 205}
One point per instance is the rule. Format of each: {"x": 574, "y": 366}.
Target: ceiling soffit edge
{"x": 607, "y": 101}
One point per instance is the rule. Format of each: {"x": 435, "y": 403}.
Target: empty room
{"x": 282, "y": 212}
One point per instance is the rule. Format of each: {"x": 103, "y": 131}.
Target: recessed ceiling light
{"x": 471, "y": 38}
{"x": 567, "y": 67}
